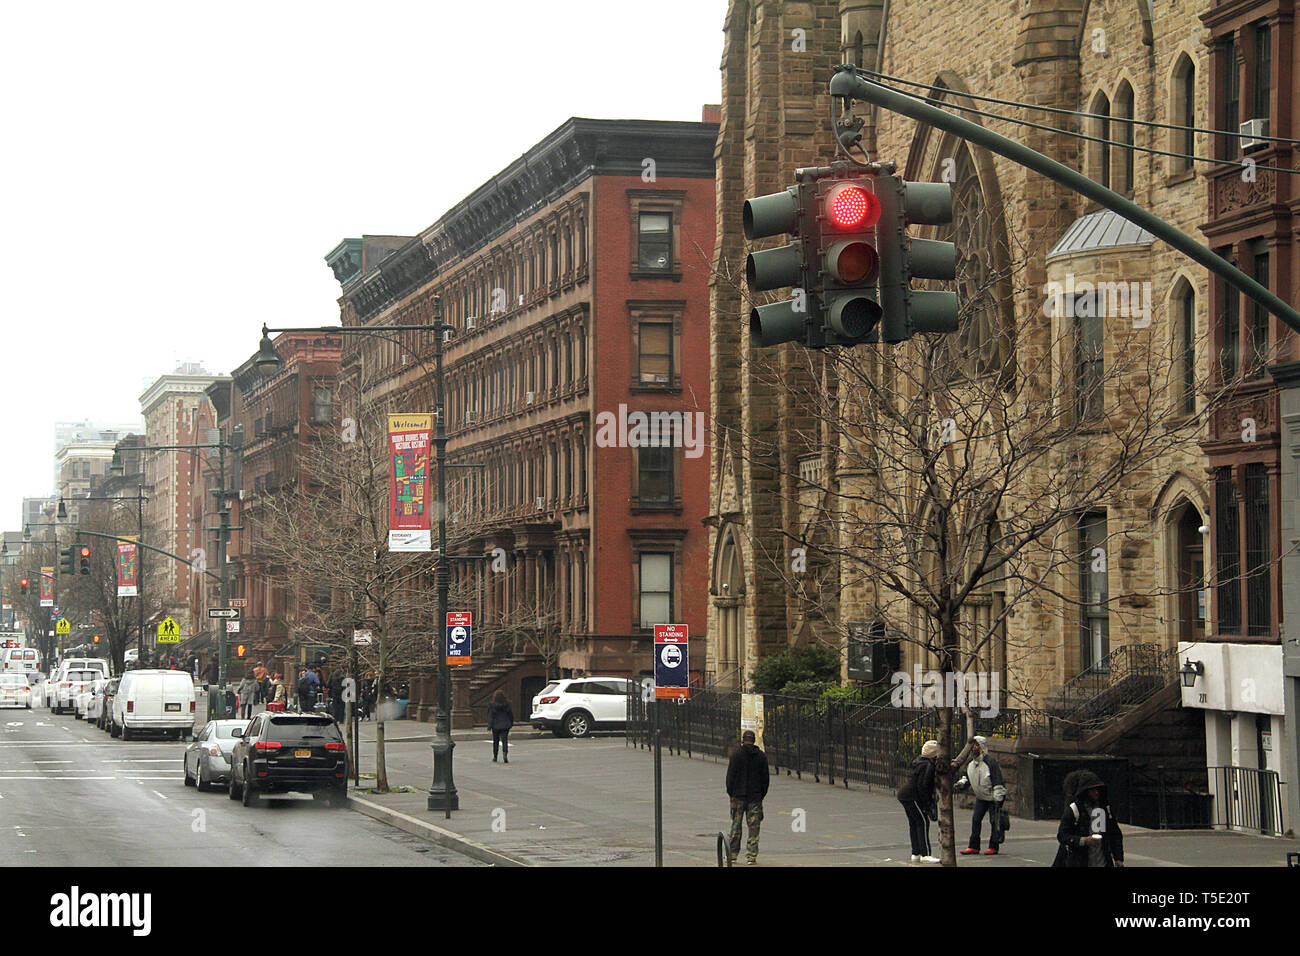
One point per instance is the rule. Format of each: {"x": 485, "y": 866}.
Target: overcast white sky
{"x": 174, "y": 173}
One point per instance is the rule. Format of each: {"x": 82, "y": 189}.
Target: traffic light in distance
{"x": 847, "y": 214}
{"x": 767, "y": 269}
{"x": 902, "y": 259}
{"x": 96, "y": 638}
{"x": 66, "y": 565}
{"x": 240, "y": 649}
{"x": 24, "y": 584}
{"x": 84, "y": 554}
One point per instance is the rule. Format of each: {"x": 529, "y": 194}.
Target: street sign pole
{"x": 659, "y": 786}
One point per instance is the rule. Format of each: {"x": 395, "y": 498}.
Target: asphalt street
{"x": 70, "y": 795}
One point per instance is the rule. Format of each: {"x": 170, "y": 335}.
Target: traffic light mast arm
{"x": 148, "y": 547}
{"x": 846, "y": 83}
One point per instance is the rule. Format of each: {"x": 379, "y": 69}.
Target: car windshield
{"x": 13, "y": 679}
{"x": 299, "y": 730}
{"x": 227, "y": 731}
{"x": 83, "y": 675}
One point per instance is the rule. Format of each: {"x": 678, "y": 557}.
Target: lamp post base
{"x": 442, "y": 794}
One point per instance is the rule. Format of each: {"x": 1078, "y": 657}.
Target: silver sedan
{"x": 207, "y": 759}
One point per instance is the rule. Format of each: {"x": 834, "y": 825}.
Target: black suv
{"x": 285, "y": 752}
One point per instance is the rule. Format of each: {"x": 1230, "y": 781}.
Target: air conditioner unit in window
{"x": 471, "y": 416}
{"x": 446, "y": 335}
{"x": 541, "y": 504}
{"x": 528, "y": 398}
{"x": 1250, "y": 131}
{"x": 406, "y": 359}
{"x": 470, "y": 320}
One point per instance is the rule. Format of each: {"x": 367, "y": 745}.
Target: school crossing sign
{"x": 169, "y": 632}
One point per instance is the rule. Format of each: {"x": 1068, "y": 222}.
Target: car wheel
{"x": 202, "y": 783}
{"x": 234, "y": 792}
{"x": 126, "y": 733}
{"x": 189, "y": 781}
{"x": 577, "y": 724}
{"x": 113, "y": 731}
{"x": 249, "y": 794}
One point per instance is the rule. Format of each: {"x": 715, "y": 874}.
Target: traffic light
{"x": 65, "y": 561}
{"x": 767, "y": 269}
{"x": 84, "y": 554}
{"x": 240, "y": 649}
{"x": 902, "y": 259}
{"x": 96, "y": 638}
{"x": 847, "y": 214}
{"x": 24, "y": 584}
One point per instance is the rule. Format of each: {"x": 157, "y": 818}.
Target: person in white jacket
{"x": 984, "y": 780}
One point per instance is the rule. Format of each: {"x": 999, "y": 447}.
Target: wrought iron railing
{"x": 1128, "y": 677}
{"x": 1247, "y": 799}
{"x": 841, "y": 741}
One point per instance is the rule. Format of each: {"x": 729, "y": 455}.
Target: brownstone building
{"x": 576, "y": 281}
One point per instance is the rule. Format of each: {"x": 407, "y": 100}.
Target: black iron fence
{"x": 840, "y": 741}
{"x": 1247, "y": 799}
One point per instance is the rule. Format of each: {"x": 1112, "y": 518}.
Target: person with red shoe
{"x": 984, "y": 780}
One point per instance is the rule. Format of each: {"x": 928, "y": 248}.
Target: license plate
{"x": 171, "y": 707}
{"x": 302, "y": 753}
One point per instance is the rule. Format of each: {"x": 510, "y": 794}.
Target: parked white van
{"x": 20, "y": 660}
{"x": 153, "y": 701}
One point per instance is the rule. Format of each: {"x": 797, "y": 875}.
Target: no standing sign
{"x": 672, "y": 661}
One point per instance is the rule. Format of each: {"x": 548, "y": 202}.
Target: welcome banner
{"x": 410, "y": 438}
{"x": 127, "y": 569}
{"x": 47, "y": 587}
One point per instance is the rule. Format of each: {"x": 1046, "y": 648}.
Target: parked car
{"x": 153, "y": 701}
{"x": 15, "y": 691}
{"x": 71, "y": 684}
{"x": 286, "y": 753}
{"x": 47, "y": 696}
{"x": 101, "y": 694}
{"x": 575, "y": 707}
{"x": 20, "y": 659}
{"x": 209, "y": 754}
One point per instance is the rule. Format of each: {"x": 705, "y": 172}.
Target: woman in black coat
{"x": 1088, "y": 834}
{"x": 500, "y": 719}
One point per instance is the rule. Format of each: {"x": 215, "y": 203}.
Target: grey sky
{"x": 174, "y": 173}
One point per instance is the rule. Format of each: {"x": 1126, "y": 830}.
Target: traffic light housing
{"x": 66, "y": 565}
{"x": 240, "y": 650}
{"x": 83, "y": 554}
{"x": 96, "y": 638}
{"x": 902, "y": 259}
{"x": 847, "y": 212}
{"x": 24, "y": 584}
{"x": 786, "y": 266}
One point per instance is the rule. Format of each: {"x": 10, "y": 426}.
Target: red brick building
{"x": 274, "y": 421}
{"x": 577, "y": 283}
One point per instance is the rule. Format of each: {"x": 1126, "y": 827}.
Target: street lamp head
{"x": 268, "y": 360}
{"x": 27, "y": 532}
{"x": 115, "y": 468}
{"x": 63, "y": 511}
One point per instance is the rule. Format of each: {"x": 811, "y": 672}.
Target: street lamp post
{"x": 442, "y": 793}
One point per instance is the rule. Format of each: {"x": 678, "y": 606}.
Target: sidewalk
{"x": 591, "y": 803}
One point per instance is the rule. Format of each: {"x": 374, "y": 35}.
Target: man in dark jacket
{"x": 918, "y": 799}
{"x": 1088, "y": 834}
{"x": 984, "y": 780}
{"x": 747, "y": 782}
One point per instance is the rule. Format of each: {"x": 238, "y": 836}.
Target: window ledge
{"x": 1175, "y": 179}
{"x": 636, "y": 387}
{"x": 634, "y": 275}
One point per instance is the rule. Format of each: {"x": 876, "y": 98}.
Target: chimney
{"x": 711, "y": 113}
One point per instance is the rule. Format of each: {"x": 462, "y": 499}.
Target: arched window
{"x": 857, "y": 49}
{"x": 1101, "y": 130}
{"x": 1182, "y": 109}
{"x": 1182, "y": 308}
{"x": 1124, "y": 135}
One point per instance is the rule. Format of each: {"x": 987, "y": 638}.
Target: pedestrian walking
{"x": 336, "y": 695}
{"x": 1088, "y": 834}
{"x": 918, "y": 799}
{"x": 500, "y": 719}
{"x": 263, "y": 682}
{"x": 307, "y": 686}
{"x": 279, "y": 692}
{"x": 747, "y": 782}
{"x": 984, "y": 780}
{"x": 246, "y": 689}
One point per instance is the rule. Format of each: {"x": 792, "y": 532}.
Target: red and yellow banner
{"x": 410, "y": 442}
{"x": 47, "y": 587}
{"x": 127, "y": 569}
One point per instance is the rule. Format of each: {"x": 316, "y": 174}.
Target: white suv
{"x": 576, "y": 706}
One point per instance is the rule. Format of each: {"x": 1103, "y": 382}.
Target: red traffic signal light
{"x": 84, "y": 553}
{"x": 849, "y": 206}
{"x": 24, "y": 584}
{"x": 96, "y": 638}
